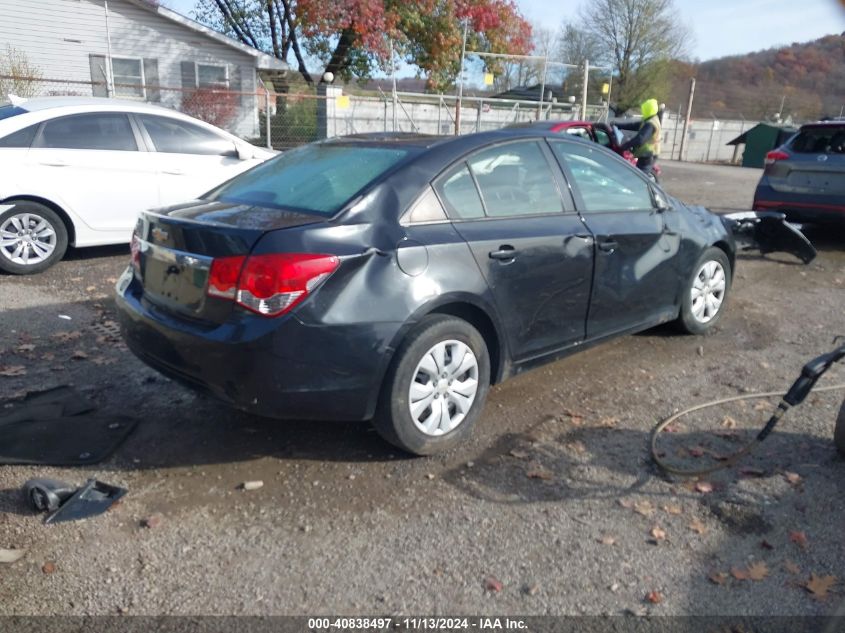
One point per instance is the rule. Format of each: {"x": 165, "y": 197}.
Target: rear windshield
{"x": 9, "y": 110}
{"x": 319, "y": 178}
{"x": 827, "y": 139}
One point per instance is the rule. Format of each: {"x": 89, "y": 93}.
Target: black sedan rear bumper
{"x": 278, "y": 368}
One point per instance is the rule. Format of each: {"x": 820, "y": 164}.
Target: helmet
{"x": 649, "y": 108}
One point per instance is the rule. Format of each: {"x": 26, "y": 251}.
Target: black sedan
{"x": 395, "y": 278}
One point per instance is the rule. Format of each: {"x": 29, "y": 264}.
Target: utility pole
{"x": 461, "y": 82}
{"x": 681, "y": 152}
{"x": 584, "y": 95}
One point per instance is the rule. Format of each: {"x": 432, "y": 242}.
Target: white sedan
{"x": 78, "y": 170}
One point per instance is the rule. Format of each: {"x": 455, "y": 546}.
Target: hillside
{"x": 810, "y": 77}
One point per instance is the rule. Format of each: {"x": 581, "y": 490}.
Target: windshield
{"x": 822, "y": 139}
{"x": 9, "y": 110}
{"x": 319, "y": 178}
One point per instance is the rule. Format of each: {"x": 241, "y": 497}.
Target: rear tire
{"x": 705, "y": 293}
{"x": 839, "y": 431}
{"x": 32, "y": 238}
{"x": 435, "y": 387}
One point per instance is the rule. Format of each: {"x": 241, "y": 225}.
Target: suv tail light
{"x": 270, "y": 284}
{"x": 775, "y": 156}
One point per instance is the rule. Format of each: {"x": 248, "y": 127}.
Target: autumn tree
{"x": 352, "y": 38}
{"x": 637, "y": 38}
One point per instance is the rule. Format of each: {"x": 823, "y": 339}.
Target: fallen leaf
{"x": 64, "y": 337}
{"x": 758, "y": 570}
{"x": 519, "y": 454}
{"x": 672, "y": 428}
{"x": 703, "y": 487}
{"x": 608, "y": 423}
{"x": 11, "y": 555}
{"x": 626, "y": 503}
{"x": 10, "y": 371}
{"x": 728, "y": 422}
{"x": 644, "y": 508}
{"x": 654, "y": 597}
{"x": 697, "y": 526}
{"x": 577, "y": 446}
{"x": 658, "y": 533}
{"x": 48, "y": 567}
{"x": 718, "y": 577}
{"x": 493, "y": 584}
{"x": 696, "y": 451}
{"x": 672, "y": 509}
{"x": 79, "y": 355}
{"x": 606, "y": 540}
{"x": 799, "y": 538}
{"x": 762, "y": 406}
{"x": 540, "y": 473}
{"x": 819, "y": 585}
{"x": 755, "y": 571}
{"x": 102, "y": 360}
{"x": 792, "y": 478}
{"x": 153, "y": 521}
{"x": 26, "y": 347}
{"x": 791, "y": 567}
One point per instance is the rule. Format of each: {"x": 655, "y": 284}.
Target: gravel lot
{"x": 345, "y": 524}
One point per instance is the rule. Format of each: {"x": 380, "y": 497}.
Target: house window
{"x": 128, "y": 77}
{"x": 212, "y": 76}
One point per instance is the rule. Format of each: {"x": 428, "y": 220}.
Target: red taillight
{"x": 270, "y": 284}
{"x": 223, "y": 277}
{"x": 775, "y": 156}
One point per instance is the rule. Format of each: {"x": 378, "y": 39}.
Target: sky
{"x": 719, "y": 27}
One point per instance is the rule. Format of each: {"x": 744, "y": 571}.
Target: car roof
{"x": 38, "y": 104}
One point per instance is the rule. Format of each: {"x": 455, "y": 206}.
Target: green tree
{"x": 637, "y": 38}
{"x": 351, "y": 38}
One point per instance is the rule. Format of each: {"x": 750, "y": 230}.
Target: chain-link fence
{"x": 283, "y": 120}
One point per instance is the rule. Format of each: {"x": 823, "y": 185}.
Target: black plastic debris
{"x": 67, "y": 503}
{"x": 769, "y": 232}
{"x": 59, "y": 427}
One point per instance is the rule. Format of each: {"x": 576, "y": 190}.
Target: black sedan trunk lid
{"x": 174, "y": 249}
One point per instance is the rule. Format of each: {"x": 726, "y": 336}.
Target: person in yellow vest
{"x": 646, "y": 144}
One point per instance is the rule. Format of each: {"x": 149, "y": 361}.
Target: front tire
{"x": 435, "y": 387}
{"x": 32, "y": 238}
{"x": 704, "y": 296}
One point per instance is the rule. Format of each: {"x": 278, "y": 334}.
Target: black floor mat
{"x": 59, "y": 428}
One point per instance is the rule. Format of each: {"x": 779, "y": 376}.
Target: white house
{"x": 138, "y": 50}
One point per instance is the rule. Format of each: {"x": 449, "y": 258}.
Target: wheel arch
{"x": 63, "y": 215}
{"x": 730, "y": 253}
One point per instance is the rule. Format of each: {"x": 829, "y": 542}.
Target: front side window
{"x": 128, "y": 77}
{"x": 172, "y": 136}
{"x": 103, "y": 131}
{"x": 605, "y": 183}
{"x": 320, "y": 178}
{"x": 209, "y": 76}
{"x": 516, "y": 179}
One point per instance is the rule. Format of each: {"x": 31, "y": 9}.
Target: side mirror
{"x": 245, "y": 152}
{"x": 661, "y": 204}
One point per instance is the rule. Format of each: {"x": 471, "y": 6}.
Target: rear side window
{"x": 320, "y": 178}
{"x": 459, "y": 194}
{"x": 172, "y": 136}
{"x": 827, "y": 139}
{"x": 103, "y": 131}
{"x": 21, "y": 138}
{"x": 516, "y": 179}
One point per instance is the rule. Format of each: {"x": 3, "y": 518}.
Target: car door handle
{"x": 506, "y": 252}
{"x": 54, "y": 163}
{"x": 608, "y": 246}
{"x": 174, "y": 172}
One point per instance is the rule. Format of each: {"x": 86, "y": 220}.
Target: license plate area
{"x": 174, "y": 278}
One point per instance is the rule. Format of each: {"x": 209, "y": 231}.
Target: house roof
{"x": 262, "y": 60}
